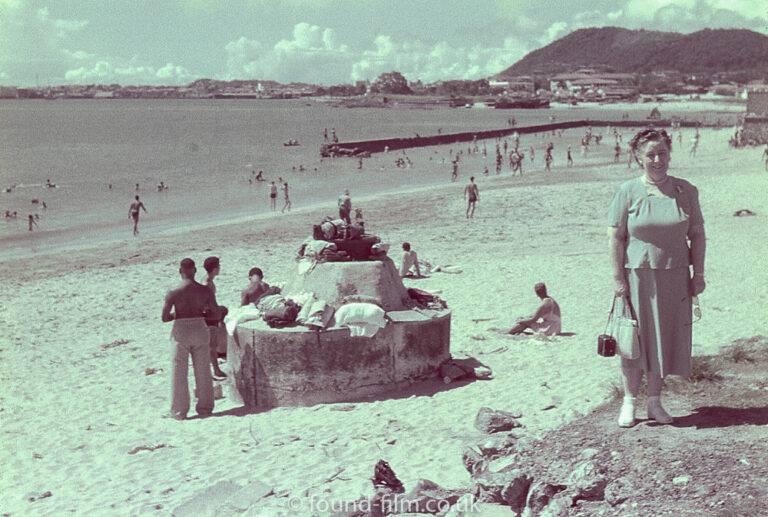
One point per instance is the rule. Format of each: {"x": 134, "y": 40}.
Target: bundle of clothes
{"x": 361, "y": 315}
{"x": 333, "y": 240}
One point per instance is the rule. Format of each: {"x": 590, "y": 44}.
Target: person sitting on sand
{"x": 256, "y": 290}
{"x": 410, "y": 261}
{"x": 216, "y": 315}
{"x": 546, "y": 319}
{"x": 189, "y": 302}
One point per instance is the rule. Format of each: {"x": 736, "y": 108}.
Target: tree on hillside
{"x": 391, "y": 82}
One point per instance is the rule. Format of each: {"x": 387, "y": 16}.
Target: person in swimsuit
{"x": 133, "y": 213}
{"x": 186, "y": 306}
{"x": 214, "y": 319}
{"x": 472, "y": 195}
{"x": 546, "y": 319}
{"x": 287, "y": 199}
{"x": 272, "y": 196}
{"x": 410, "y": 261}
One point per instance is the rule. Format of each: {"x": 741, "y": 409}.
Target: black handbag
{"x": 606, "y": 344}
{"x": 624, "y": 338}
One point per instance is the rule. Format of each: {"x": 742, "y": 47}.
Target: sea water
{"x": 95, "y": 152}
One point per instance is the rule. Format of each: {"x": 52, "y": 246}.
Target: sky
{"x": 175, "y": 42}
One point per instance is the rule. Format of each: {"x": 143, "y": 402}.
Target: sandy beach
{"x": 86, "y": 359}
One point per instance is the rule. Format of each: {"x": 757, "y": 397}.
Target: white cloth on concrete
{"x": 362, "y": 319}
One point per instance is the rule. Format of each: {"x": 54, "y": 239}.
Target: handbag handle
{"x": 610, "y": 315}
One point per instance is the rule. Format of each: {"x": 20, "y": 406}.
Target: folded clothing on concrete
{"x": 362, "y": 319}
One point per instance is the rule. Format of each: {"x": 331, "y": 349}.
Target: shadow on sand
{"x": 427, "y": 388}
{"x": 709, "y": 417}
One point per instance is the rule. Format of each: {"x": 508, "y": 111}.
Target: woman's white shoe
{"x": 656, "y": 411}
{"x": 627, "y": 414}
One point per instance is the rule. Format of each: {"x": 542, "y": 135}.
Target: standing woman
{"x": 656, "y": 233}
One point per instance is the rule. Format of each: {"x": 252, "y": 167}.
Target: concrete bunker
{"x": 302, "y": 366}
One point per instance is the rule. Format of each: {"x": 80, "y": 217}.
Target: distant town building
{"x": 756, "y": 119}
{"x": 520, "y": 85}
{"x": 588, "y": 84}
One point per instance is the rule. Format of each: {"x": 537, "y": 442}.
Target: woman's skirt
{"x": 661, "y": 300}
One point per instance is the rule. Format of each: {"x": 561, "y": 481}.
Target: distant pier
{"x": 366, "y": 147}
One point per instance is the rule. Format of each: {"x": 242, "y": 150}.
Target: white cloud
{"x": 312, "y": 55}
{"x": 555, "y": 31}
{"x": 130, "y": 72}
{"x": 418, "y": 60}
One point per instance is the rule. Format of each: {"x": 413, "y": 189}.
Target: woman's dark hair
{"x": 650, "y": 135}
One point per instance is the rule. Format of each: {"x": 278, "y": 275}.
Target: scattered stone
{"x": 540, "y": 496}
{"x": 493, "y": 421}
{"x": 681, "y": 480}
{"x": 558, "y": 506}
{"x": 589, "y": 453}
{"x": 497, "y": 443}
{"x": 466, "y": 505}
{"x": 207, "y": 501}
{"x": 472, "y": 459}
{"x": 425, "y": 497}
{"x": 509, "y": 487}
{"x": 589, "y": 481}
{"x": 501, "y": 464}
{"x": 385, "y": 478}
{"x": 618, "y": 491}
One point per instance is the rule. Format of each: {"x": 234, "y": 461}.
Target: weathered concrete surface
{"x": 332, "y": 281}
{"x": 301, "y": 367}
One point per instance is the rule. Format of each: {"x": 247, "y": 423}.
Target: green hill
{"x": 639, "y": 51}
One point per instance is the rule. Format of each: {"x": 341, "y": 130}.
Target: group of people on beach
{"x": 198, "y": 332}
{"x": 656, "y": 249}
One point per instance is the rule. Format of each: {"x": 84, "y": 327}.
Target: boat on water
{"x": 521, "y": 103}
{"x": 291, "y": 143}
